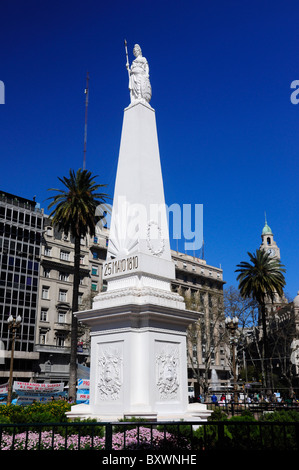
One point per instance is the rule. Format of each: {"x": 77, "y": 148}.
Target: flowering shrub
{"x": 144, "y": 438}
{"x": 47, "y": 441}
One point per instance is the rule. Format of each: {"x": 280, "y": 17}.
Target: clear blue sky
{"x": 220, "y": 73}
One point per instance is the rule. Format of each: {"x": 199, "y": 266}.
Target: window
{"x": 61, "y": 317}
{"x": 44, "y": 314}
{"x": 65, "y": 255}
{"x": 94, "y": 255}
{"x": 45, "y": 292}
{"x": 47, "y": 273}
{"x": 42, "y": 337}
{"x": 60, "y": 338}
{"x": 94, "y": 270}
{"x": 8, "y": 214}
{"x": 21, "y": 217}
{"x": 81, "y": 259}
{"x": 62, "y": 295}
{"x": 63, "y": 276}
{"x": 94, "y": 286}
{"x": 80, "y": 298}
{"x": 47, "y": 251}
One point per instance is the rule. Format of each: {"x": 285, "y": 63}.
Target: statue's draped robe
{"x": 139, "y": 84}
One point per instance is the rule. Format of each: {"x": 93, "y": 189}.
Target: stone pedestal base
{"x": 195, "y": 412}
{"x": 138, "y": 358}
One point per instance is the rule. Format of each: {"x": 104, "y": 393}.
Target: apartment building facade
{"x": 21, "y": 228}
{"x": 55, "y": 296}
{"x": 202, "y": 287}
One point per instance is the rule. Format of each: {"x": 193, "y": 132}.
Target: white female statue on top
{"x": 139, "y": 83}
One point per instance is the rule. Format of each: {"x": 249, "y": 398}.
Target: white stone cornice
{"x": 138, "y": 296}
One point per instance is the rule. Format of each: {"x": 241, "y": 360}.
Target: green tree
{"x": 74, "y": 210}
{"x": 260, "y": 279}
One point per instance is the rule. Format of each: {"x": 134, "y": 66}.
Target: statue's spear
{"x": 127, "y": 64}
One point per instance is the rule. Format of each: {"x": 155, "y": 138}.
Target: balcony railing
{"x": 52, "y": 348}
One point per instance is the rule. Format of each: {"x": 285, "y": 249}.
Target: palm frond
{"x": 262, "y": 277}
{"x": 74, "y": 207}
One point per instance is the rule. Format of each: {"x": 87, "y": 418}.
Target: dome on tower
{"x": 296, "y": 300}
{"x": 266, "y": 229}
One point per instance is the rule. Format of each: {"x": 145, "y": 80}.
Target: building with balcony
{"x": 53, "y": 328}
{"x": 202, "y": 287}
{"x": 21, "y": 227}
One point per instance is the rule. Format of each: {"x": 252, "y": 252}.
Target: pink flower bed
{"x": 46, "y": 442}
{"x": 132, "y": 439}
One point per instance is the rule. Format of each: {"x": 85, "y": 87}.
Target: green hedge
{"x": 252, "y": 437}
{"x": 52, "y": 412}
{"x": 241, "y": 437}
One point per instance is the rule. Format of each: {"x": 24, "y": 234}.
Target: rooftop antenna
{"x": 85, "y": 127}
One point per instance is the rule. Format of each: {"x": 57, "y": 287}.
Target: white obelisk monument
{"x": 138, "y": 326}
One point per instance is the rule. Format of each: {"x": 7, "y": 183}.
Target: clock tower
{"x": 268, "y": 244}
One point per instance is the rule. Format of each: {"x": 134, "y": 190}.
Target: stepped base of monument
{"x": 194, "y": 412}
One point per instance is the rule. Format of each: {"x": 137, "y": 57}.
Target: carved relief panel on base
{"x": 110, "y": 371}
{"x": 167, "y": 371}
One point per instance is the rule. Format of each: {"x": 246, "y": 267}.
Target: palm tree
{"x": 261, "y": 279}
{"x": 74, "y": 212}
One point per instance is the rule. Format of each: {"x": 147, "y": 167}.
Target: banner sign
{"x": 83, "y": 371}
{"x": 26, "y": 398}
{"x": 82, "y": 397}
{"x": 82, "y": 383}
{"x": 4, "y": 389}
{"x": 38, "y": 388}
{"x": 22, "y": 393}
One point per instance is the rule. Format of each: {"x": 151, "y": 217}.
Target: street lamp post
{"x": 232, "y": 326}
{"x": 13, "y": 325}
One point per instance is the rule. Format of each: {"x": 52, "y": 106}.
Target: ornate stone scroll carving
{"x": 167, "y": 364}
{"x": 110, "y": 366}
